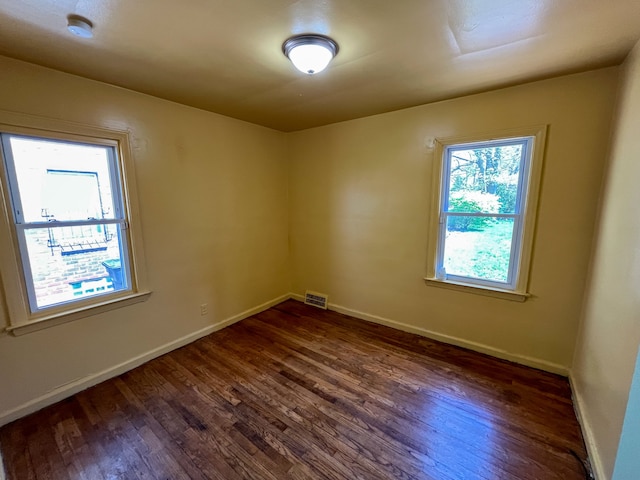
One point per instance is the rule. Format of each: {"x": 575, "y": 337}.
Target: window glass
{"x": 484, "y": 179}
{"x": 61, "y": 180}
{"x": 481, "y": 218}
{"x": 480, "y": 251}
{"x": 78, "y": 269}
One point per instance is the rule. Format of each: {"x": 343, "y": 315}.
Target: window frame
{"x": 516, "y": 287}
{"x": 22, "y": 317}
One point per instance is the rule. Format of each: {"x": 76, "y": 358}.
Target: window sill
{"x": 59, "y": 318}
{"x": 478, "y": 290}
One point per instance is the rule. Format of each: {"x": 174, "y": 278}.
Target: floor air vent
{"x": 316, "y": 299}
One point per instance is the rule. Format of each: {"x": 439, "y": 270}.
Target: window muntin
{"x": 482, "y": 212}
{"x": 69, "y": 218}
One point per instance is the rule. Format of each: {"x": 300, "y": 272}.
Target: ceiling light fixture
{"x": 310, "y": 53}
{"x": 79, "y": 26}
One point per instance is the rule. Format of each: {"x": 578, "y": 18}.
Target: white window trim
{"x": 529, "y": 211}
{"x": 20, "y": 318}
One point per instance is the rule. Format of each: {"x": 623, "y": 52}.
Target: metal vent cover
{"x": 316, "y": 299}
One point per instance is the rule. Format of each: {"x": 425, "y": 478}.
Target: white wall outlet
{"x": 204, "y": 309}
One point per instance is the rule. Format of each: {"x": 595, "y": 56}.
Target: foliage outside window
{"x": 66, "y": 224}
{"x": 487, "y": 195}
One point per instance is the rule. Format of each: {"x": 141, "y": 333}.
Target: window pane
{"x": 70, "y": 263}
{"x": 62, "y": 180}
{"x": 484, "y": 180}
{"x": 478, "y": 247}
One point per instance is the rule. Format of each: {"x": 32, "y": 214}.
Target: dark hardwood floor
{"x": 300, "y": 393}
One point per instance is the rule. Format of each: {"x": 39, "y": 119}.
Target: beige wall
{"x": 213, "y": 202}
{"x": 360, "y": 200}
{"x": 610, "y": 334}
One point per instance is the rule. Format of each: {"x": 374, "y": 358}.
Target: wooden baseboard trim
{"x": 587, "y": 431}
{"x": 459, "y": 342}
{"x": 83, "y": 383}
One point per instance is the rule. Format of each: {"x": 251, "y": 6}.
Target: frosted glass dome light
{"x": 310, "y": 53}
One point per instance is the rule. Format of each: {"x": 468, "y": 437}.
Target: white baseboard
{"x": 459, "y": 342}
{"x": 78, "y": 385}
{"x": 83, "y": 383}
{"x": 587, "y": 431}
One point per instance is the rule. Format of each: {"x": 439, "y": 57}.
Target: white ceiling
{"x": 225, "y": 55}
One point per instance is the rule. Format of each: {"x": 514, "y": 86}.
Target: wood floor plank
{"x": 301, "y": 393}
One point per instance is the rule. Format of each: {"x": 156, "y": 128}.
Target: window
{"x": 67, "y": 225}
{"x": 486, "y": 201}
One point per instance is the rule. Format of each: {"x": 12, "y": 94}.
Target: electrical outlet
{"x": 204, "y": 309}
